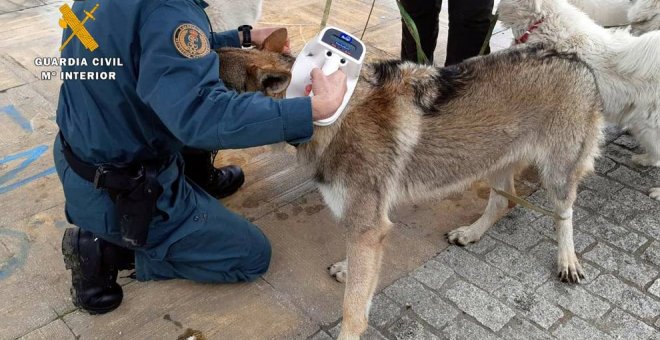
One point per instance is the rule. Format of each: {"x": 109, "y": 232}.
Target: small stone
{"x": 515, "y": 232}
{"x": 407, "y": 291}
{"x": 627, "y": 141}
{"x": 590, "y": 199}
{"x": 578, "y": 329}
{"x": 483, "y": 246}
{"x": 477, "y": 303}
{"x": 627, "y": 203}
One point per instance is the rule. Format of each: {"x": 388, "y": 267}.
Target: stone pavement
{"x": 505, "y": 286}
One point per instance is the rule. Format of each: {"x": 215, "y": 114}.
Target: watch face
{"x": 344, "y": 43}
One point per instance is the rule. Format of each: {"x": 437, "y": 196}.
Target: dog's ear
{"x": 276, "y": 41}
{"x": 537, "y": 6}
{"x": 271, "y": 81}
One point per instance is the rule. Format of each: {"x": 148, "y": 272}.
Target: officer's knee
{"x": 259, "y": 261}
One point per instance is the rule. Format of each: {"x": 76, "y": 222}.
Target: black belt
{"x": 104, "y": 176}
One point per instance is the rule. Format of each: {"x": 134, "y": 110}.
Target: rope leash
{"x": 529, "y": 205}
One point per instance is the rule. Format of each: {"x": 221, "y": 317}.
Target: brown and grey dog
{"x": 414, "y": 132}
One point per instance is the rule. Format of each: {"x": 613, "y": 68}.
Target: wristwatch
{"x": 247, "y": 37}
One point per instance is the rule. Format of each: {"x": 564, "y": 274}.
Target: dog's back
{"x": 429, "y": 128}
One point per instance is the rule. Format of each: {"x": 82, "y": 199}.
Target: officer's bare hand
{"x": 329, "y": 92}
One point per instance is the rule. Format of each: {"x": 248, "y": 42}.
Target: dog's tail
{"x": 640, "y": 57}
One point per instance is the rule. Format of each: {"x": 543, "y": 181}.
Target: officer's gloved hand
{"x": 329, "y": 93}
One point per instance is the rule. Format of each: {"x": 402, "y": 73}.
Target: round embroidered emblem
{"x": 190, "y": 41}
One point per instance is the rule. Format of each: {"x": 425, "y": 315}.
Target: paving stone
{"x": 614, "y": 234}
{"x": 581, "y": 240}
{"x": 632, "y": 178}
{"x": 383, "y": 311}
{"x": 655, "y": 288}
{"x": 578, "y": 329}
{"x": 625, "y": 296}
{"x": 480, "y": 305}
{"x": 620, "y": 155}
{"x": 624, "y": 264}
{"x": 627, "y": 203}
{"x": 590, "y": 199}
{"x": 521, "y": 266}
{"x": 320, "y": 335}
{"x": 424, "y": 302}
{"x": 627, "y": 141}
{"x": 54, "y": 330}
{"x": 622, "y": 325}
{"x": 611, "y": 132}
{"x": 652, "y": 253}
{"x": 370, "y": 334}
{"x": 546, "y": 254}
{"x": 603, "y": 165}
{"x": 408, "y": 292}
{"x": 433, "y": 274}
{"x": 519, "y": 329}
{"x": 601, "y": 185}
{"x": 409, "y": 329}
{"x": 575, "y": 299}
{"x": 515, "y": 231}
{"x": 472, "y": 269}
{"x": 484, "y": 245}
{"x": 530, "y": 304}
{"x": 647, "y": 223}
{"x": 467, "y": 330}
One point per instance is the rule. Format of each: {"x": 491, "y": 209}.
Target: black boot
{"x": 94, "y": 265}
{"x": 218, "y": 183}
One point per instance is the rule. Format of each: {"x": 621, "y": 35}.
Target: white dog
{"x": 644, "y": 16}
{"x": 627, "y": 68}
{"x": 227, "y": 15}
{"x": 606, "y": 13}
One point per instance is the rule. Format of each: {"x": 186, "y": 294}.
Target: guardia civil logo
{"x": 190, "y": 41}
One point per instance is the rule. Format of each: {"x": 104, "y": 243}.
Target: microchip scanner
{"x": 331, "y": 50}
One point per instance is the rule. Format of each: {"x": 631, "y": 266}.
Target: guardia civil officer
{"x": 119, "y": 159}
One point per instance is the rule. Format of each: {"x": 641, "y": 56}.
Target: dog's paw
{"x": 462, "y": 236}
{"x": 569, "y": 268}
{"x": 645, "y": 160}
{"x": 655, "y": 193}
{"x": 339, "y": 271}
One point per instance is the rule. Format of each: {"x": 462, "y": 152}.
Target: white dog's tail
{"x": 640, "y": 57}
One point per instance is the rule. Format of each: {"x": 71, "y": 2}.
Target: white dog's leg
{"x": 497, "y": 205}
{"x": 655, "y": 193}
{"x": 339, "y": 271}
{"x": 650, "y": 141}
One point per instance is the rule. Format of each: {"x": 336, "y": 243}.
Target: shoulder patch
{"x": 190, "y": 41}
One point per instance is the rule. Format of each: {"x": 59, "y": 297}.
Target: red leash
{"x": 523, "y": 38}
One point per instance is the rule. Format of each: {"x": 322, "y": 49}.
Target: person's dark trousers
{"x": 469, "y": 21}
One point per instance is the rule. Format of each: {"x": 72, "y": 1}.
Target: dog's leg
{"x": 562, "y": 193}
{"x": 650, "y": 141}
{"x": 497, "y": 205}
{"x": 367, "y": 230}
